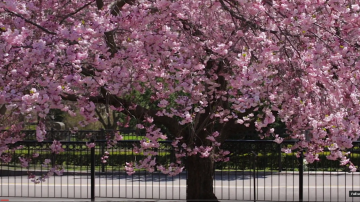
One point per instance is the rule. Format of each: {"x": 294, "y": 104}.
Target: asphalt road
{"x": 230, "y": 186}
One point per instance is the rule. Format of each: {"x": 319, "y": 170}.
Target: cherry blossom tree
{"x": 205, "y": 68}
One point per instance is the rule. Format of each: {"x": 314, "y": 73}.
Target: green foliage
{"x": 83, "y": 158}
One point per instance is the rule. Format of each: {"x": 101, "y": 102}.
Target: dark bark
{"x": 3, "y": 109}
{"x": 200, "y": 179}
{"x": 99, "y": 4}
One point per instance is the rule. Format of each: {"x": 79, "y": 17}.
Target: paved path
{"x": 230, "y": 186}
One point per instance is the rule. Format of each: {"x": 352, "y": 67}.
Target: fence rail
{"x": 257, "y": 170}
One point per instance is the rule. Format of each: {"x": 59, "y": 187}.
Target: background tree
{"x": 208, "y": 68}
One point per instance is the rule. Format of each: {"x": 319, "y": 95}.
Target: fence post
{"x": 92, "y": 190}
{"x": 103, "y": 148}
{"x": 301, "y": 176}
{"x": 280, "y": 166}
{"x": 254, "y": 174}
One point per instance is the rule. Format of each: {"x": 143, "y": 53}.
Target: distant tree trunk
{"x": 200, "y": 179}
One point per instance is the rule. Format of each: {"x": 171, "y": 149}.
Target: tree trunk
{"x": 200, "y": 179}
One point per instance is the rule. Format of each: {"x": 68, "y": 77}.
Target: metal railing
{"x": 257, "y": 171}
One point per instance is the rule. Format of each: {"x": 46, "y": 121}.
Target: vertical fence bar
{"x": 254, "y": 174}
{"x": 103, "y": 136}
{"x": 301, "y": 176}
{"x": 92, "y": 172}
{"x": 280, "y": 167}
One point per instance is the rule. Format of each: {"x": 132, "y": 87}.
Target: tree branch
{"x": 110, "y": 42}
{"x": 3, "y": 109}
{"x": 115, "y": 10}
{"x": 100, "y": 118}
{"x": 115, "y": 119}
{"x": 137, "y": 112}
{"x": 247, "y": 22}
{"x": 108, "y": 115}
{"x": 78, "y": 10}
{"x": 99, "y": 4}
{"x": 109, "y": 35}
{"x": 31, "y": 22}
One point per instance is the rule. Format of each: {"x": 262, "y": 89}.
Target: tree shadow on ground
{"x": 160, "y": 177}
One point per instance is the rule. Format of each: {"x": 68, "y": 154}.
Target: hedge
{"x": 268, "y": 161}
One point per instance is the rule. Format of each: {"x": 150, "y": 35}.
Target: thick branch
{"x": 108, "y": 115}
{"x": 3, "y": 109}
{"x": 138, "y": 112}
{"x": 102, "y": 121}
{"x": 115, "y": 10}
{"x": 110, "y": 42}
{"x": 99, "y": 4}
{"x": 109, "y": 36}
{"x": 116, "y": 117}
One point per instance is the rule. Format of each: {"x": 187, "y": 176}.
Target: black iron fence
{"x": 257, "y": 171}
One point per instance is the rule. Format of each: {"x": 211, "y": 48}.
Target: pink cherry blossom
{"x": 90, "y": 145}
{"x": 129, "y": 168}
{"x": 56, "y": 147}
{"x": 195, "y": 69}
{"x": 24, "y": 162}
